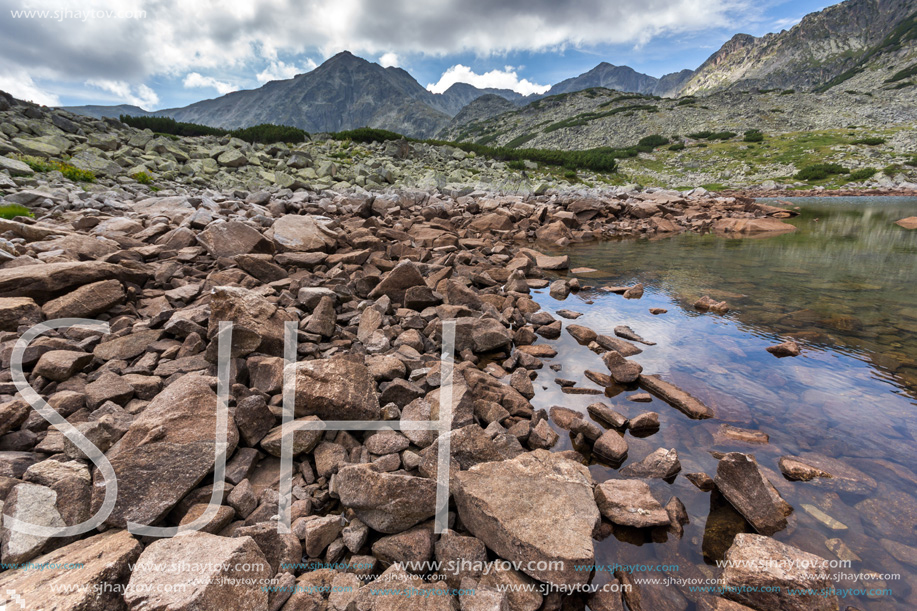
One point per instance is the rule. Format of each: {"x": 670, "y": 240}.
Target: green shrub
{"x": 143, "y": 178}
{"x": 863, "y": 174}
{"x": 788, "y": 92}
{"x": 570, "y": 175}
{"x": 519, "y": 140}
{"x": 516, "y": 165}
{"x": 820, "y": 171}
{"x": 652, "y": 141}
{"x": 753, "y": 135}
{"x": 264, "y": 133}
{"x": 869, "y": 141}
{"x": 912, "y": 161}
{"x": 678, "y": 146}
{"x": 11, "y": 211}
{"x": 366, "y": 134}
{"x": 709, "y": 135}
{"x": 903, "y": 74}
{"x": 891, "y": 170}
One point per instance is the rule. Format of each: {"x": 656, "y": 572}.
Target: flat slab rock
{"x": 675, "y": 397}
{"x": 515, "y": 508}
{"x": 629, "y": 502}
{"x": 168, "y": 450}
{"x": 104, "y": 559}
{"x": 225, "y": 574}
{"x": 741, "y": 481}
{"x": 757, "y": 562}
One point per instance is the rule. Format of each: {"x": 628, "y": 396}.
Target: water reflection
{"x": 845, "y": 287}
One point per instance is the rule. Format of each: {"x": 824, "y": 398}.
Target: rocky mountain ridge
{"x": 865, "y": 43}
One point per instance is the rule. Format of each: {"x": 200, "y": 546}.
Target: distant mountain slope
{"x": 818, "y": 49}
{"x": 98, "y": 111}
{"x": 868, "y": 44}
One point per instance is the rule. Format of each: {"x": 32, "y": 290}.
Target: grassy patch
{"x": 69, "y": 171}
{"x": 11, "y": 211}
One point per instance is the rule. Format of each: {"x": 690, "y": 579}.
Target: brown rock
{"x": 15, "y": 311}
{"x": 296, "y": 233}
{"x": 630, "y": 503}
{"x": 232, "y": 239}
{"x": 86, "y": 301}
{"x": 788, "y": 348}
{"x": 336, "y": 389}
{"x": 512, "y": 506}
{"x": 46, "y": 281}
{"x": 622, "y": 370}
{"x": 752, "y": 226}
{"x": 765, "y": 574}
{"x": 706, "y": 304}
{"x": 908, "y": 223}
{"x": 675, "y": 397}
{"x": 258, "y": 325}
{"x": 660, "y": 464}
{"x": 222, "y": 573}
{"x": 741, "y": 481}
{"x": 386, "y": 502}
{"x": 96, "y": 586}
{"x": 59, "y": 365}
{"x": 168, "y": 450}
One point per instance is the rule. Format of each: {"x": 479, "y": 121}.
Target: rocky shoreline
{"x": 368, "y": 279}
{"x": 770, "y": 193}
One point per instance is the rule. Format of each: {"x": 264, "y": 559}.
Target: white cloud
{"x": 499, "y": 79}
{"x": 20, "y": 85}
{"x": 122, "y": 91}
{"x": 176, "y": 37}
{"x": 194, "y": 80}
{"x": 279, "y": 70}
{"x": 389, "y": 59}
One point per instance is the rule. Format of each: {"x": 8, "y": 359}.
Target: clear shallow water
{"x": 844, "y": 286}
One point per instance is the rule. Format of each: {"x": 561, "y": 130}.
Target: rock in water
{"x": 628, "y": 333}
{"x": 630, "y": 503}
{"x": 767, "y": 575}
{"x": 168, "y": 450}
{"x": 789, "y": 348}
{"x": 675, "y": 397}
{"x": 515, "y": 508}
{"x": 224, "y": 574}
{"x": 743, "y": 484}
{"x": 908, "y": 223}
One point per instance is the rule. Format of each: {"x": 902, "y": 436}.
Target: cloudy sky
{"x": 167, "y": 53}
